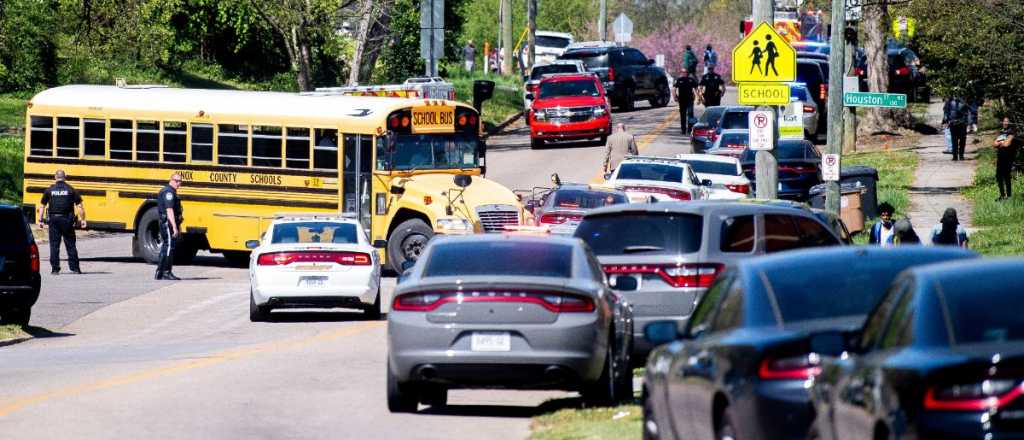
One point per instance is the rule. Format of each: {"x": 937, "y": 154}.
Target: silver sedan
{"x": 506, "y": 311}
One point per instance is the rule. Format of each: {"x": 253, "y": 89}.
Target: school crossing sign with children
{"x": 761, "y": 62}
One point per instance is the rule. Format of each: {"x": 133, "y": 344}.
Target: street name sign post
{"x": 431, "y": 33}
{"x": 865, "y": 99}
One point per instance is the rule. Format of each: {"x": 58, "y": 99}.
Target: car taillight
{"x": 611, "y": 74}
{"x": 980, "y": 396}
{"x": 679, "y": 276}
{"x": 800, "y": 367}
{"x": 824, "y": 92}
{"x": 33, "y": 257}
{"x": 736, "y": 146}
{"x": 808, "y": 109}
{"x": 742, "y": 189}
{"x": 552, "y": 301}
{"x": 798, "y": 169}
{"x": 858, "y": 71}
{"x": 557, "y": 219}
{"x": 672, "y": 193}
{"x": 903, "y": 71}
{"x": 286, "y": 258}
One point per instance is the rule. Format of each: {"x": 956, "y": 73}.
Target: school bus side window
{"x": 325, "y": 150}
{"x": 297, "y": 148}
{"x": 67, "y": 137}
{"x": 41, "y": 136}
{"x": 202, "y": 143}
{"x": 174, "y": 141}
{"x": 95, "y": 137}
{"x": 232, "y": 144}
{"x": 266, "y": 146}
{"x": 121, "y": 139}
{"x": 147, "y": 141}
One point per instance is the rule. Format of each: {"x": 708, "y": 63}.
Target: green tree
{"x": 28, "y": 44}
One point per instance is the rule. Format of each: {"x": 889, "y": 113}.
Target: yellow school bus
{"x": 407, "y": 168}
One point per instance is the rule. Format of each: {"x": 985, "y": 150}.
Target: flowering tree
{"x": 671, "y": 40}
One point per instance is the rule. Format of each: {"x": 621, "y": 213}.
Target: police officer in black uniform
{"x": 169, "y": 207}
{"x": 60, "y": 201}
{"x": 686, "y": 87}
{"x": 712, "y": 87}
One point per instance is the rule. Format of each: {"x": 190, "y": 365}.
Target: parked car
{"x": 549, "y": 46}
{"x": 569, "y": 106}
{"x": 734, "y": 118}
{"x": 731, "y": 142}
{"x": 626, "y": 73}
{"x": 532, "y": 81}
{"x": 743, "y": 366}
{"x": 940, "y": 357}
{"x": 799, "y": 92}
{"x": 509, "y": 311}
{"x": 703, "y": 133}
{"x": 313, "y": 262}
{"x": 663, "y": 178}
{"x": 799, "y": 168}
{"x": 724, "y": 172}
{"x": 814, "y": 74}
{"x": 906, "y": 75}
{"x": 19, "y": 267}
{"x": 562, "y": 209}
{"x": 663, "y": 256}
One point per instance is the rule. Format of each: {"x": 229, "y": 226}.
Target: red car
{"x": 570, "y": 106}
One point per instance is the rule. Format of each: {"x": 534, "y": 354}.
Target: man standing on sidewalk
{"x": 619, "y": 146}
{"x": 955, "y": 115}
{"x": 1006, "y": 152}
{"x": 686, "y": 93}
{"x": 469, "y": 54}
{"x": 61, "y": 201}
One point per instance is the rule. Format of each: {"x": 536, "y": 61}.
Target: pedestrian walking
{"x": 61, "y": 202}
{"x": 169, "y": 208}
{"x": 620, "y": 144}
{"x": 712, "y": 88}
{"x": 1006, "y": 153}
{"x": 685, "y": 94}
{"x": 883, "y": 233}
{"x": 710, "y": 59}
{"x": 469, "y": 54}
{"x": 955, "y": 114}
{"x": 690, "y": 60}
{"x": 948, "y": 231}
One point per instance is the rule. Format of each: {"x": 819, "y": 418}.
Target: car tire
{"x": 401, "y": 399}
{"x": 726, "y": 430}
{"x": 372, "y": 312}
{"x": 147, "y": 236}
{"x": 536, "y": 144}
{"x": 257, "y": 313}
{"x": 628, "y": 100}
{"x": 651, "y": 427}
{"x": 661, "y": 97}
{"x": 407, "y": 241}
{"x": 434, "y": 395}
{"x": 606, "y": 390}
{"x": 237, "y": 258}
{"x": 16, "y": 315}
{"x": 603, "y": 140}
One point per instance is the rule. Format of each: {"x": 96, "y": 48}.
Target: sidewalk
{"x": 938, "y": 180}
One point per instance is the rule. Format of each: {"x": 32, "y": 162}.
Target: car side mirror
{"x": 380, "y": 244}
{"x": 650, "y": 62}
{"x": 397, "y": 190}
{"x": 661, "y": 332}
{"x": 607, "y": 176}
{"x": 529, "y": 96}
{"x": 252, "y": 244}
{"x": 829, "y": 343}
{"x": 706, "y": 182}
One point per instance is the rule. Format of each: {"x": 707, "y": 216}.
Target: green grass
{"x": 895, "y": 176}
{"x": 11, "y": 169}
{"x": 12, "y": 112}
{"x": 589, "y": 423}
{"x": 11, "y": 331}
{"x": 507, "y": 99}
{"x": 1000, "y": 224}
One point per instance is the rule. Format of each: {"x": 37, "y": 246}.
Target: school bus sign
{"x": 763, "y": 56}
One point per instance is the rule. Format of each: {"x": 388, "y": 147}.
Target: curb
{"x": 498, "y": 128}
{"x": 7, "y": 342}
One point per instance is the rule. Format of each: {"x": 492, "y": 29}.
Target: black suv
{"x": 19, "y": 267}
{"x": 626, "y": 73}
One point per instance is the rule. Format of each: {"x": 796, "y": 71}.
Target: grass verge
{"x": 619, "y": 422}
{"x": 11, "y": 169}
{"x": 12, "y": 112}
{"x": 1000, "y": 224}
{"x": 11, "y": 331}
{"x": 895, "y": 176}
{"x": 507, "y": 99}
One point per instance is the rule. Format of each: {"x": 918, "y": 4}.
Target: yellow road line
{"x": 643, "y": 141}
{"x": 6, "y": 408}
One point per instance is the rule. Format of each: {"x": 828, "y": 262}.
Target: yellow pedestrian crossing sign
{"x": 763, "y": 56}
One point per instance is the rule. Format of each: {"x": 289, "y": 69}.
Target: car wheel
{"x": 434, "y": 395}
{"x": 661, "y": 99}
{"x": 372, "y": 313}
{"x": 16, "y": 315}
{"x": 147, "y": 236}
{"x": 608, "y": 388}
{"x": 726, "y": 429}
{"x": 628, "y": 100}
{"x": 401, "y": 399}
{"x": 651, "y": 428}
{"x": 257, "y": 313}
{"x": 407, "y": 242}
{"x": 237, "y": 258}
{"x": 536, "y": 144}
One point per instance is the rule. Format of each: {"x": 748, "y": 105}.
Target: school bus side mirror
{"x": 380, "y": 244}
{"x": 252, "y": 244}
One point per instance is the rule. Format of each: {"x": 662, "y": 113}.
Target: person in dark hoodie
{"x": 949, "y": 232}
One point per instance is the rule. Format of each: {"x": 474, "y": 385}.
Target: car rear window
{"x": 650, "y": 171}
{"x": 552, "y": 68}
{"x": 709, "y": 167}
{"x": 711, "y": 116}
{"x": 314, "y": 232}
{"x": 500, "y": 257}
{"x": 809, "y": 73}
{"x": 799, "y": 93}
{"x": 579, "y": 199}
{"x": 583, "y": 87}
{"x": 735, "y": 140}
{"x": 642, "y": 233}
{"x": 12, "y": 222}
{"x": 735, "y": 120}
{"x": 591, "y": 59}
{"x": 970, "y": 305}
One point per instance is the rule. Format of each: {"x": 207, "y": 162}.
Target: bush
{"x": 11, "y": 169}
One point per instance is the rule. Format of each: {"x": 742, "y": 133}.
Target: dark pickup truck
{"x": 626, "y": 73}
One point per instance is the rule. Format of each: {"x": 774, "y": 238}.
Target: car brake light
{"x": 808, "y": 109}
{"x": 557, "y": 219}
{"x": 800, "y": 367}
{"x": 611, "y": 74}
{"x": 33, "y": 257}
{"x": 799, "y": 169}
{"x": 742, "y": 189}
{"x": 903, "y": 71}
{"x": 981, "y": 396}
{"x": 858, "y": 71}
{"x": 679, "y": 276}
{"x": 286, "y": 258}
{"x": 555, "y": 302}
{"x": 824, "y": 92}
{"x": 672, "y": 193}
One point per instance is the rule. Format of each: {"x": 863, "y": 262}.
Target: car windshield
{"x": 590, "y": 59}
{"x": 986, "y": 311}
{"x": 552, "y": 41}
{"x": 314, "y": 232}
{"x": 580, "y": 199}
{"x": 500, "y": 257}
{"x": 430, "y": 152}
{"x": 549, "y": 69}
{"x": 809, "y": 73}
{"x": 735, "y": 120}
{"x": 581, "y": 87}
{"x": 650, "y": 171}
{"x": 709, "y": 167}
{"x": 711, "y": 116}
{"x": 735, "y": 140}
{"x": 642, "y": 233}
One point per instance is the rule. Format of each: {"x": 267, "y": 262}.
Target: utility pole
{"x": 835, "y": 98}
{"x": 531, "y": 18}
{"x": 506, "y": 36}
{"x": 766, "y": 166}
{"x": 602, "y": 21}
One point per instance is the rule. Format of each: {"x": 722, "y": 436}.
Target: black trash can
{"x": 817, "y": 193}
{"x": 868, "y": 178}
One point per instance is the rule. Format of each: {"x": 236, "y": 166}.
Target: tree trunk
{"x": 365, "y": 23}
{"x": 379, "y": 35}
{"x": 298, "y": 52}
{"x": 876, "y": 19}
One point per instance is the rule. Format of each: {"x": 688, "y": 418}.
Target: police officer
{"x": 169, "y": 207}
{"x": 712, "y": 87}
{"x": 686, "y": 92}
{"x": 60, "y": 201}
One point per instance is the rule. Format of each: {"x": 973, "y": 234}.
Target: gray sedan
{"x": 506, "y": 311}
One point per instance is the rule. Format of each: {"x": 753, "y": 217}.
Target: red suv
{"x": 570, "y": 106}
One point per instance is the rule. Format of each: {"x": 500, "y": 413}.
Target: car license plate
{"x": 491, "y": 341}
{"x": 315, "y": 282}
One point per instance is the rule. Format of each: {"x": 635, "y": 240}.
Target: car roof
{"x": 586, "y": 187}
{"x": 837, "y": 255}
{"x": 554, "y": 34}
{"x": 742, "y": 131}
{"x": 302, "y": 218}
{"x": 560, "y": 62}
{"x": 558, "y": 77}
{"x": 708, "y": 158}
{"x": 656, "y": 159}
{"x": 699, "y": 207}
{"x": 987, "y": 269}
{"x": 739, "y": 108}
{"x": 590, "y": 45}
{"x": 442, "y": 239}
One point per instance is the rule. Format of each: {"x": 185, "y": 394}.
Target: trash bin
{"x": 868, "y": 178}
{"x": 851, "y": 203}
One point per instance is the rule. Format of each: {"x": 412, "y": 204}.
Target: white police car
{"x": 659, "y": 178}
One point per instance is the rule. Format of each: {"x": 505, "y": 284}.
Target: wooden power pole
{"x": 766, "y": 166}
{"x": 837, "y": 59}
{"x": 506, "y": 36}
{"x": 531, "y": 17}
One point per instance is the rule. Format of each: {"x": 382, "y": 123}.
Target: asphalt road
{"x": 118, "y": 354}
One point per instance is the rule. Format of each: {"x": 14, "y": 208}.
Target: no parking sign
{"x": 830, "y": 167}
{"x": 762, "y": 130}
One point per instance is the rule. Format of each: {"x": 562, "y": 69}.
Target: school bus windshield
{"x": 431, "y": 152}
